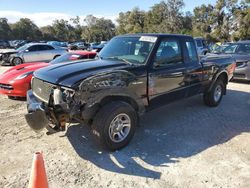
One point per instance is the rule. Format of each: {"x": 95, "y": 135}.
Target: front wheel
{"x": 17, "y": 61}
{"x": 115, "y": 124}
{"x": 213, "y": 97}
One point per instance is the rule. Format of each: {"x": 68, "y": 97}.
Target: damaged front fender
{"x": 94, "y": 89}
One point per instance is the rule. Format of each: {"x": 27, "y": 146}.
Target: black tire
{"x": 17, "y": 61}
{"x": 11, "y": 97}
{"x": 17, "y": 98}
{"x": 108, "y": 114}
{"x": 213, "y": 98}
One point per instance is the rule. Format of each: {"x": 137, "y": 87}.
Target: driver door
{"x": 31, "y": 54}
{"x": 166, "y": 79}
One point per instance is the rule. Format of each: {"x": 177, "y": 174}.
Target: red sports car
{"x": 15, "y": 82}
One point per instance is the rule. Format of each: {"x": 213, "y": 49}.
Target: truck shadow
{"x": 178, "y": 130}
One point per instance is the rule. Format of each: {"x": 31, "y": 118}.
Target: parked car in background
{"x": 133, "y": 74}
{"x": 202, "y": 46}
{"x": 57, "y": 43}
{"x": 99, "y": 47}
{"x": 19, "y": 43}
{"x": 94, "y": 44}
{"x": 78, "y": 46}
{"x": 33, "y": 52}
{"x": 5, "y": 54}
{"x": 15, "y": 82}
{"x": 4, "y": 44}
{"x": 220, "y": 48}
{"x": 241, "y": 53}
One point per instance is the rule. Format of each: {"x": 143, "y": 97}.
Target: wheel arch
{"x": 89, "y": 114}
{"x": 126, "y": 99}
{"x": 223, "y": 76}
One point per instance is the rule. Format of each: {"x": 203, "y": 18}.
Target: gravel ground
{"x": 184, "y": 144}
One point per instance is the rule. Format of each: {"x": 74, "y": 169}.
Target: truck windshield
{"x": 134, "y": 50}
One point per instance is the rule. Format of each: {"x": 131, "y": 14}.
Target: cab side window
{"x": 168, "y": 53}
{"x": 192, "y": 55}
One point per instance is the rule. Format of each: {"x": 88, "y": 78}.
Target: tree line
{"x": 226, "y": 20}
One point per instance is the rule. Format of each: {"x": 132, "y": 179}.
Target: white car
{"x": 35, "y": 52}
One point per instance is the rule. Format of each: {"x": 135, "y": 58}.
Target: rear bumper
{"x": 36, "y": 116}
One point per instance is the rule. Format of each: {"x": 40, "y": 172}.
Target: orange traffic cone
{"x": 38, "y": 178}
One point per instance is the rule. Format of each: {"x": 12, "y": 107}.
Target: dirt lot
{"x": 184, "y": 144}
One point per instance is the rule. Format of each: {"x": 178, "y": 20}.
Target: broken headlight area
{"x": 61, "y": 96}
{"x": 62, "y": 108}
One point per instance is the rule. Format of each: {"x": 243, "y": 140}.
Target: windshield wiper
{"x": 124, "y": 60}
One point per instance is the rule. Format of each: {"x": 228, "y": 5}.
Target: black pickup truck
{"x": 133, "y": 74}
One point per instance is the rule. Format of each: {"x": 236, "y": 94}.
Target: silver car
{"x": 240, "y": 51}
{"x": 35, "y": 52}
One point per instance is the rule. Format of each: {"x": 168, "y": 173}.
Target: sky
{"x": 43, "y": 12}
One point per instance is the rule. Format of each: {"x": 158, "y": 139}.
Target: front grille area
{"x": 6, "y": 86}
{"x": 42, "y": 89}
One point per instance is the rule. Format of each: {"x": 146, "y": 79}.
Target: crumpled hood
{"x": 68, "y": 74}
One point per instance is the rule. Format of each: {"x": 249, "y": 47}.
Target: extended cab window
{"x": 192, "y": 55}
{"x": 168, "y": 53}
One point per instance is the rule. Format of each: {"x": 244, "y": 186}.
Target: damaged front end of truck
{"x": 52, "y": 114}
{"x": 54, "y": 106}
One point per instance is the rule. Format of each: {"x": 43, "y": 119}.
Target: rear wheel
{"x": 115, "y": 124}
{"x": 214, "y": 96}
{"x": 17, "y": 61}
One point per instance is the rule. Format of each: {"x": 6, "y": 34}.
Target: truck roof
{"x": 156, "y": 35}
